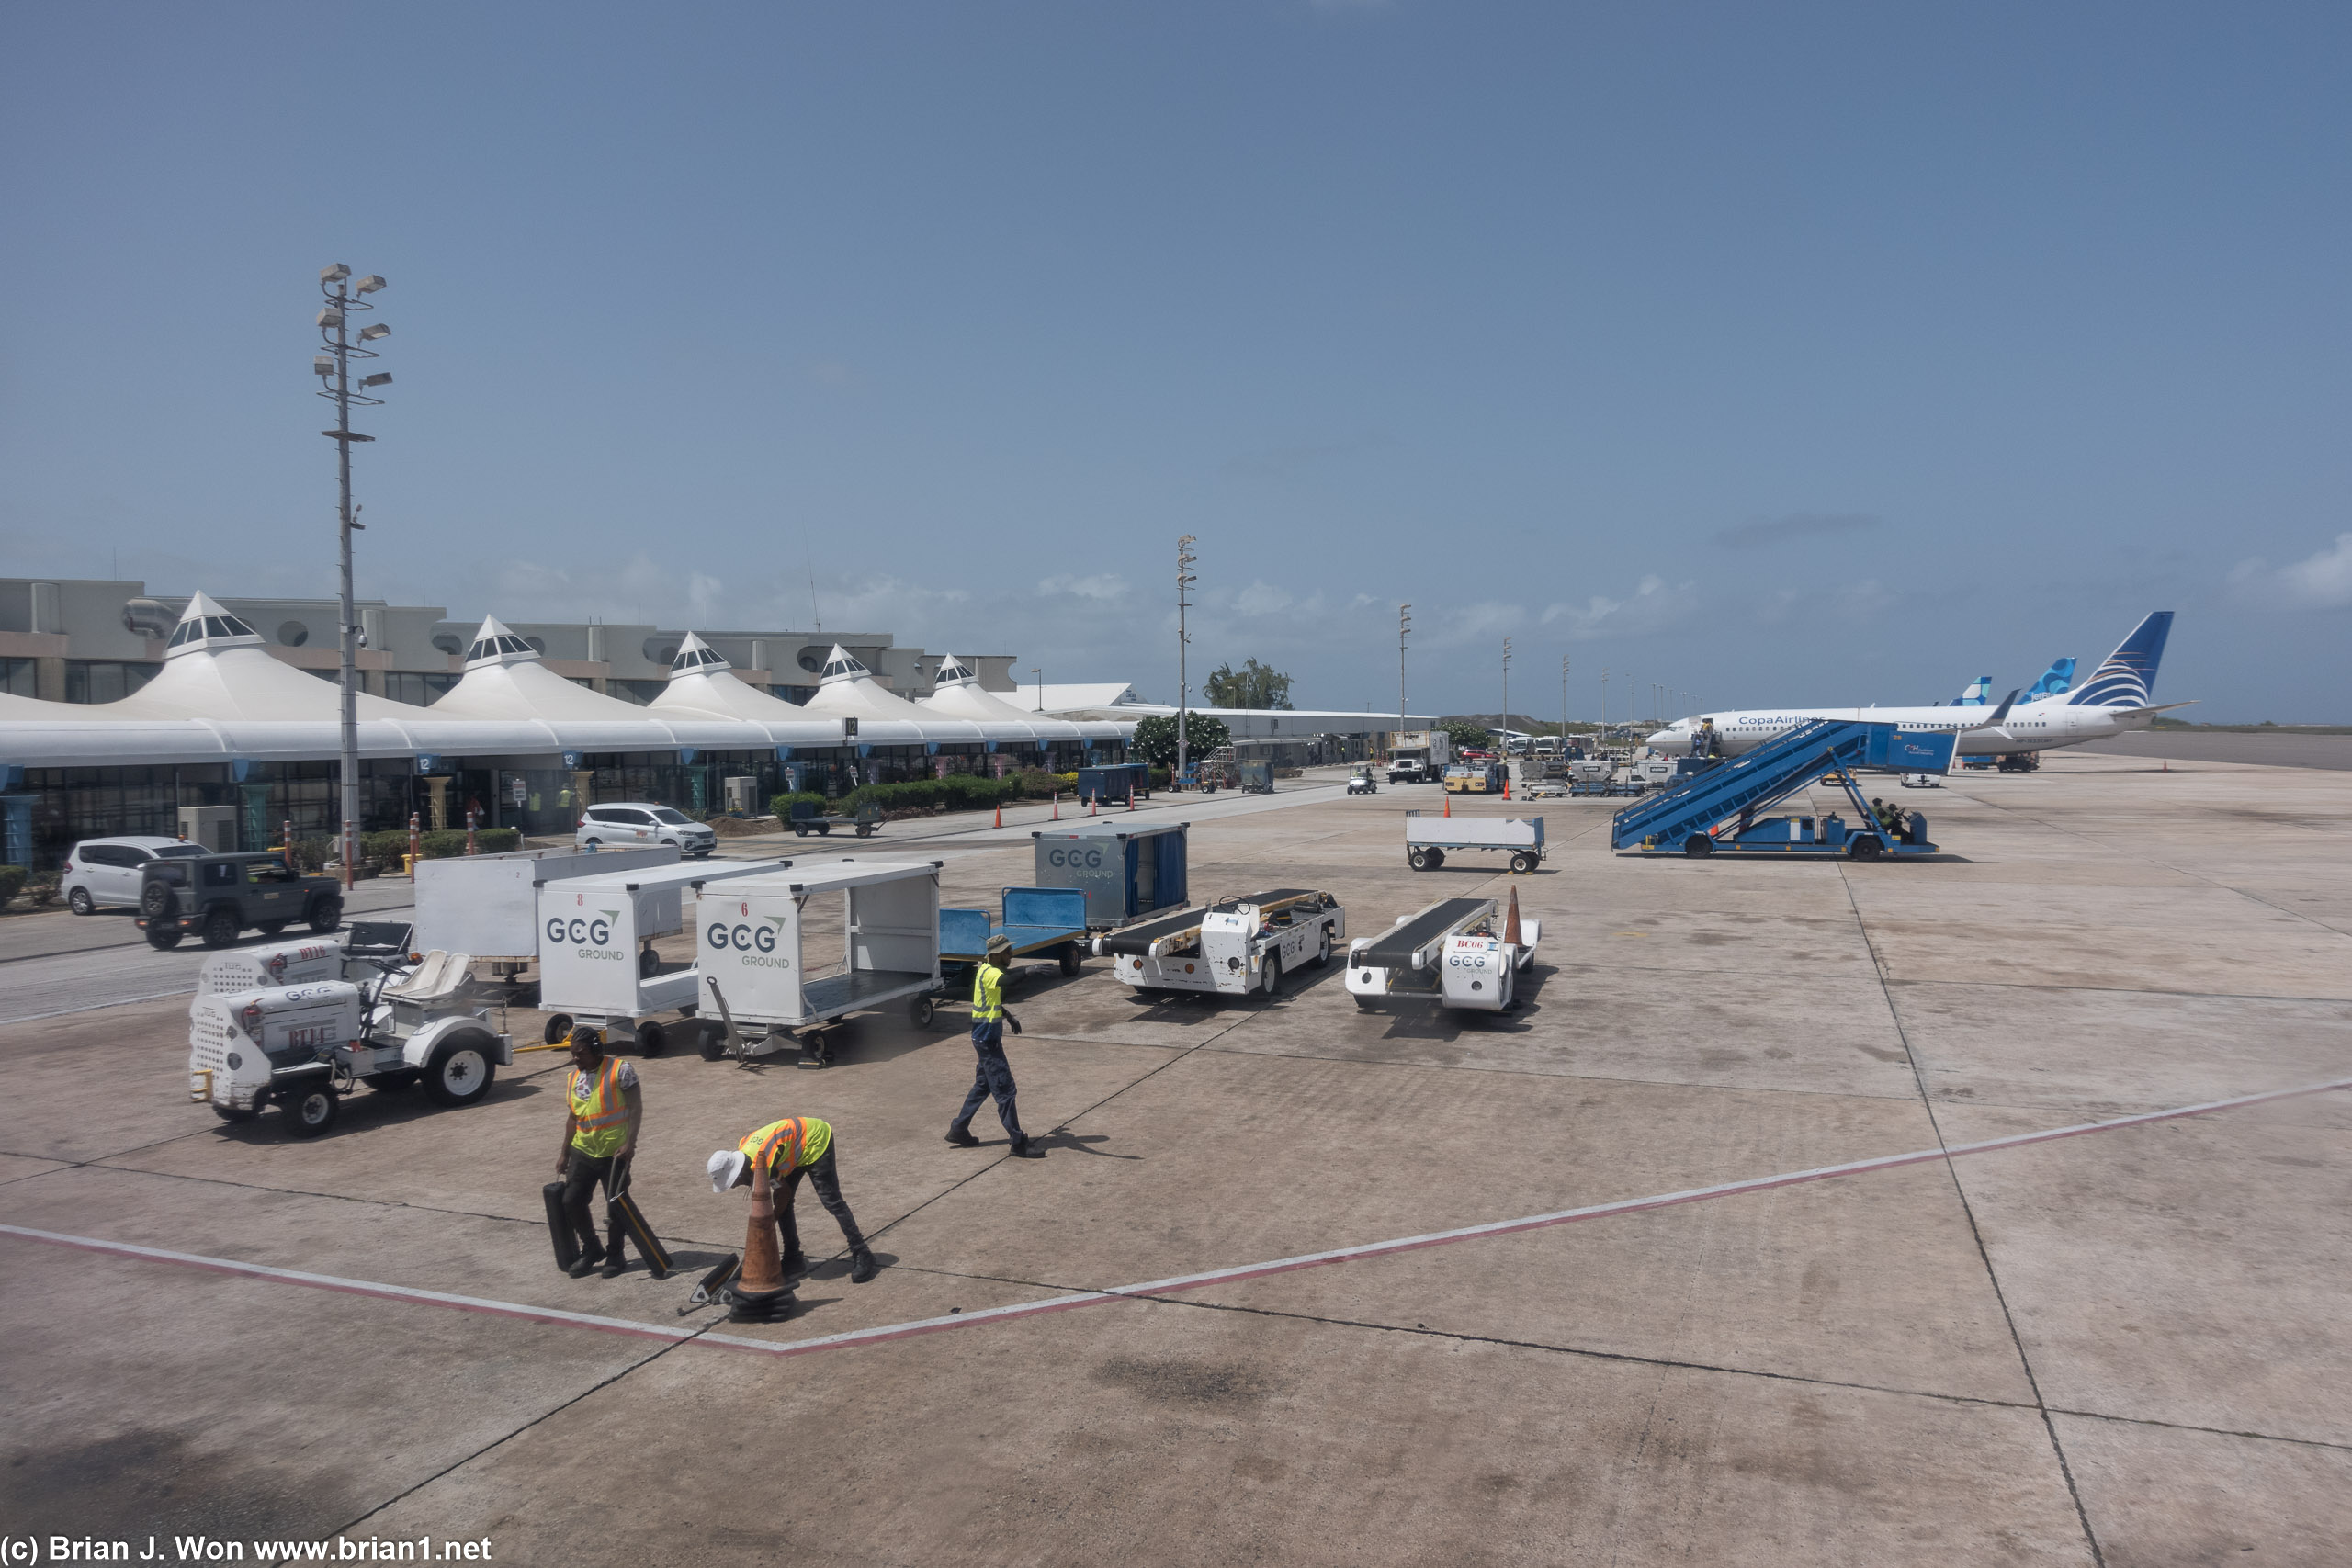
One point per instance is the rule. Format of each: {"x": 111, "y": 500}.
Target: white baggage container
{"x": 753, "y": 961}
{"x": 596, "y": 962}
{"x": 489, "y": 905}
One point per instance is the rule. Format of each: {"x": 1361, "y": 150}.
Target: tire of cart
{"x": 461, "y": 1070}
{"x": 1069, "y": 957}
{"x": 1698, "y": 846}
{"x": 556, "y": 1030}
{"x": 1523, "y": 863}
{"x": 920, "y": 1011}
{"x": 1270, "y": 977}
{"x": 647, "y": 961}
{"x": 1323, "y": 949}
{"x": 309, "y": 1109}
{"x": 1864, "y": 848}
{"x": 1425, "y": 859}
{"x": 651, "y": 1039}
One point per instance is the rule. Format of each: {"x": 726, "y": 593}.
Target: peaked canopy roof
{"x": 849, "y": 687}
{"x": 957, "y": 693}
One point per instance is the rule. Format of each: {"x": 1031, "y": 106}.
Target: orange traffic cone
{"x": 1093, "y": 806}
{"x": 760, "y": 1295}
{"x": 1131, "y": 799}
{"x": 1506, "y": 786}
{"x": 1449, "y": 803}
{"x": 1000, "y": 814}
{"x": 1511, "y": 921}
{"x": 1058, "y": 805}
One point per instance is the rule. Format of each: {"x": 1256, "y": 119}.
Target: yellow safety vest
{"x": 786, "y": 1145}
{"x": 988, "y": 994}
{"x": 599, "y": 1113}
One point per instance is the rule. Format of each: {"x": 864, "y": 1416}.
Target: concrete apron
{"x": 1823, "y": 1373}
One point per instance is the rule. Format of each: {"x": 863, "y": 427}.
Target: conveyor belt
{"x": 1272, "y": 896}
{"x": 1395, "y": 948}
{"x": 1137, "y": 939}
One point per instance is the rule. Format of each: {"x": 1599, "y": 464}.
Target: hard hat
{"x": 725, "y": 1167}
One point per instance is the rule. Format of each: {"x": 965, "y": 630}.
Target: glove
{"x": 1012, "y": 1022}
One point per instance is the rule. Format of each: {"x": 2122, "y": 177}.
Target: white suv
{"x": 107, "y": 871}
{"x": 637, "y": 822}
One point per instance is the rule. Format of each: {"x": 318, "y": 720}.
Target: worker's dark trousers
{"x": 993, "y": 1077}
{"x": 581, "y": 1177}
{"x": 822, "y": 1177}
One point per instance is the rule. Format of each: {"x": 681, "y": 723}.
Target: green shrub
{"x": 782, "y": 804}
{"x": 12, "y": 879}
{"x": 42, "y": 890}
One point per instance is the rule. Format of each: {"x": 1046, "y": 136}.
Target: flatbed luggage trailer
{"x": 1427, "y": 838}
{"x": 1232, "y": 947}
{"x": 597, "y": 964}
{"x": 753, "y": 968}
{"x": 1458, "y": 952}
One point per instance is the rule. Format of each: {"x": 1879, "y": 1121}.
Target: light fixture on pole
{"x": 1604, "y": 696}
{"x": 333, "y": 369}
{"x": 1186, "y": 560}
{"x": 1564, "y": 704}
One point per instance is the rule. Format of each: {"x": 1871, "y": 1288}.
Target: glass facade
{"x": 104, "y": 680}
{"x": 16, "y": 677}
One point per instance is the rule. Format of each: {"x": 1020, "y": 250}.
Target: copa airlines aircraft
{"x": 2115, "y": 700}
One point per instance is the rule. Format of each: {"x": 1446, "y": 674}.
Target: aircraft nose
{"x": 1668, "y": 740}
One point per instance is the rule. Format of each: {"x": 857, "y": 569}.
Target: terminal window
{"x": 104, "y": 680}
{"x": 16, "y": 677}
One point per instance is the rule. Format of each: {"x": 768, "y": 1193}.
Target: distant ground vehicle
{"x": 1476, "y": 776}
{"x": 1256, "y": 776}
{"x": 808, "y": 820}
{"x": 302, "y": 1047}
{"x": 631, "y": 824}
{"x": 106, "y": 871}
{"x": 217, "y": 896}
{"x": 1426, "y": 751}
{"x": 1407, "y": 769}
{"x": 1922, "y": 781}
{"x": 1361, "y": 780}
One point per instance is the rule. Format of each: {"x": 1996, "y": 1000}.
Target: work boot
{"x": 795, "y": 1262}
{"x": 1024, "y": 1149}
{"x": 962, "y": 1138}
{"x": 861, "y": 1267}
{"x": 588, "y": 1261}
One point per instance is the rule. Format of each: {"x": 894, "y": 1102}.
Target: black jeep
{"x": 217, "y": 896}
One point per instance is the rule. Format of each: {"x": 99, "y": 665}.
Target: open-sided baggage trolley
{"x": 756, "y": 975}
{"x": 596, "y": 959}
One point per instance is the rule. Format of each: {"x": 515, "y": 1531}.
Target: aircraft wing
{"x": 1999, "y": 717}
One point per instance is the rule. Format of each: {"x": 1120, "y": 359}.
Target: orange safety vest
{"x": 786, "y": 1145}
{"x": 600, "y": 1115}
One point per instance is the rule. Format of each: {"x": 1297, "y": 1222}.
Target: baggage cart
{"x": 1428, "y": 838}
{"x": 1125, "y": 872}
{"x": 597, "y": 964}
{"x": 756, "y": 973}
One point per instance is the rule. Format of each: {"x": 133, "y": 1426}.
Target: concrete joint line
{"x": 1150, "y": 1288}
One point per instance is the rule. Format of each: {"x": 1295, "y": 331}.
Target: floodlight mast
{"x": 1184, "y": 580}
{"x": 335, "y": 367}
{"x": 1404, "y": 630}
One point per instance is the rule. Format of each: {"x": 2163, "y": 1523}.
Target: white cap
{"x": 725, "y": 1167}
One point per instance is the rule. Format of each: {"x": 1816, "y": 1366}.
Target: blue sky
{"x": 1773, "y": 354}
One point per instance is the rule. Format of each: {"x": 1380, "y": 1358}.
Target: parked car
{"x": 637, "y": 822}
{"x": 106, "y": 871}
{"x": 217, "y": 896}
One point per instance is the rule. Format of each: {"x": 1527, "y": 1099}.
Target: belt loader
{"x": 1463, "y": 954}
{"x": 367, "y": 1011}
{"x": 1232, "y": 947}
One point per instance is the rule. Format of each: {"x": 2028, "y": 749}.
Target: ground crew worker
{"x": 789, "y": 1148}
{"x": 599, "y": 1138}
{"x": 993, "y": 1074}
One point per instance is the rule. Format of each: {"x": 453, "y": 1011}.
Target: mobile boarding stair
{"x": 1720, "y": 810}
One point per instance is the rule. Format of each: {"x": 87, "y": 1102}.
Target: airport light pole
{"x": 1564, "y": 704}
{"x": 1604, "y": 696}
{"x": 333, "y": 369}
{"x": 1184, "y": 580}
{"x": 1503, "y": 724}
{"x": 1404, "y": 630}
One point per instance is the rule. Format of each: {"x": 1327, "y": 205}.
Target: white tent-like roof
{"x": 847, "y": 686}
{"x": 957, "y": 693}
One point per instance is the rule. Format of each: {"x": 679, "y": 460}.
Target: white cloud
{"x": 2322, "y": 580}
{"x": 1100, "y": 587}
{"x": 1263, "y": 599}
{"x": 1653, "y": 607}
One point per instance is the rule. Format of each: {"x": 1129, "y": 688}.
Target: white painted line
{"x": 1151, "y": 1287}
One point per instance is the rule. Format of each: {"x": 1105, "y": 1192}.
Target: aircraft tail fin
{"x": 2056, "y": 682}
{"x": 2127, "y": 678}
{"x": 1975, "y": 695}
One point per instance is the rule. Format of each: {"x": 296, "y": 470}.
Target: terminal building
{"x": 122, "y": 713}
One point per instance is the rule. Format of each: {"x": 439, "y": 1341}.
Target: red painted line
{"x": 1148, "y": 1289}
